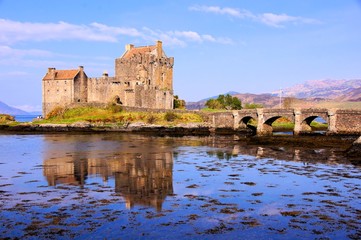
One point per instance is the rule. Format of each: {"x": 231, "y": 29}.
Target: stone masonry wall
{"x": 56, "y": 93}
{"x": 348, "y": 121}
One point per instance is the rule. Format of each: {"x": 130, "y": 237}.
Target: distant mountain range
{"x": 327, "y": 89}
{"x": 310, "y": 91}
{"x": 4, "y": 108}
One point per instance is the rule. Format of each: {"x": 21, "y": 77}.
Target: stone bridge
{"x": 340, "y": 121}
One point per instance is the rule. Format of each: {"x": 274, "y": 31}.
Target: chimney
{"x": 81, "y": 68}
{"x": 159, "y": 49}
{"x": 51, "y": 72}
{"x": 128, "y": 47}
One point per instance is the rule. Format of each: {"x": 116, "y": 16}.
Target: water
{"x": 86, "y": 186}
{"x": 25, "y": 118}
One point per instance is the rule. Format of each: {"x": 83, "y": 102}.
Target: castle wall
{"x": 57, "y": 93}
{"x": 81, "y": 86}
{"x": 143, "y": 78}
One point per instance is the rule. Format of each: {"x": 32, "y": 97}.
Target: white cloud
{"x": 6, "y": 51}
{"x": 278, "y": 20}
{"x": 234, "y": 12}
{"x": 181, "y": 38}
{"x": 270, "y": 19}
{"x": 167, "y": 38}
{"x": 189, "y": 35}
{"x": 14, "y": 31}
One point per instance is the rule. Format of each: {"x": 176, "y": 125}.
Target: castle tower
{"x": 63, "y": 87}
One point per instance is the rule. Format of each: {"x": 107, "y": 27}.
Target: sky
{"x": 248, "y": 46}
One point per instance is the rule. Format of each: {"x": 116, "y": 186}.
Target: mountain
{"x": 11, "y": 110}
{"x": 353, "y": 95}
{"x": 327, "y": 89}
{"x": 309, "y": 94}
{"x": 266, "y": 99}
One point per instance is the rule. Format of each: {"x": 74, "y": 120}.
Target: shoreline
{"x": 187, "y": 129}
{"x": 348, "y": 144}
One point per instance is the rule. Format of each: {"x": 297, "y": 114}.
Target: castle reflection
{"x": 142, "y": 166}
{"x": 142, "y": 171}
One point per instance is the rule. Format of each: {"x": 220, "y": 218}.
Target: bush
{"x": 151, "y": 119}
{"x": 170, "y": 116}
{"x": 6, "y": 118}
{"x": 224, "y": 102}
{"x": 56, "y": 112}
{"x": 114, "y": 108}
{"x": 178, "y": 103}
{"x": 253, "y": 105}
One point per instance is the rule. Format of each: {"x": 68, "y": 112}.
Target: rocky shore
{"x": 180, "y": 129}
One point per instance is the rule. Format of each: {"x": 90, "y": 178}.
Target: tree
{"x": 178, "y": 103}
{"x": 253, "y": 105}
{"x": 213, "y": 104}
{"x": 225, "y": 102}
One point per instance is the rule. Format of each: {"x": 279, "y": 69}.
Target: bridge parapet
{"x": 339, "y": 121}
{"x": 346, "y": 121}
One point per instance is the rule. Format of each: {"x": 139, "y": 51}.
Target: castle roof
{"x": 54, "y": 74}
{"x": 138, "y": 50}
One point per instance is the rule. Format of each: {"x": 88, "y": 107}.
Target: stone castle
{"x": 143, "y": 78}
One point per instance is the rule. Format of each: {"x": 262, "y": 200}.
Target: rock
{"x": 355, "y": 150}
{"x": 83, "y": 124}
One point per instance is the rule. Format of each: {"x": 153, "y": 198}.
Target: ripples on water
{"x": 131, "y": 186}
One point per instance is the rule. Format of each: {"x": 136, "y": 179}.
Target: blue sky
{"x": 219, "y": 46}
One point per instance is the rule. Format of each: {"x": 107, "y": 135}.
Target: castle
{"x": 143, "y": 78}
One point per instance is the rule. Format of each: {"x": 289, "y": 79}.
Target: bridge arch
{"x": 306, "y": 124}
{"x": 284, "y": 123}
{"x": 304, "y": 120}
{"x": 248, "y": 122}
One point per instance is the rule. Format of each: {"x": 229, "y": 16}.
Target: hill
{"x": 315, "y": 93}
{"x": 4, "y": 108}
{"x": 266, "y": 99}
{"x": 326, "y": 89}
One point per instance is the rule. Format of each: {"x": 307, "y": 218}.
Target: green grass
{"x": 210, "y": 110}
{"x": 110, "y": 115}
{"x": 285, "y": 124}
{"x": 6, "y": 118}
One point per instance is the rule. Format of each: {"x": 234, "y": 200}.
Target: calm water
{"x": 118, "y": 186}
{"x": 25, "y": 118}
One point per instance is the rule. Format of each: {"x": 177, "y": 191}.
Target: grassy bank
{"x": 6, "y": 119}
{"x": 114, "y": 114}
